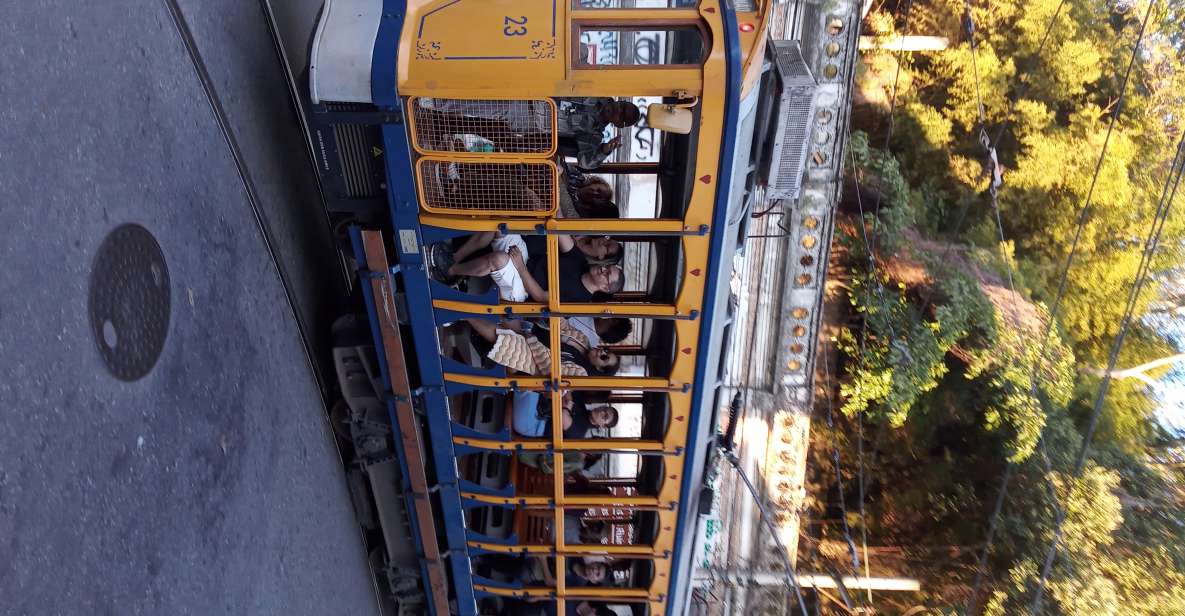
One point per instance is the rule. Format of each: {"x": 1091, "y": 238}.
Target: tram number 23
{"x": 514, "y": 26}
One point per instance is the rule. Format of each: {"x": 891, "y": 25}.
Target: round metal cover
{"x": 128, "y": 301}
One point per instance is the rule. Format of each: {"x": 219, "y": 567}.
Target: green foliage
{"x": 1097, "y": 571}
{"x": 1022, "y": 375}
{"x": 895, "y": 213}
{"x": 960, "y": 67}
{"x": 899, "y": 355}
{"x": 951, "y": 383}
{"x": 1092, "y": 513}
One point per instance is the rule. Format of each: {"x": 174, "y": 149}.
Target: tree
{"x": 934, "y": 353}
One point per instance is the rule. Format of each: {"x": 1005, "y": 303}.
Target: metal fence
{"x": 523, "y": 187}
{"x": 484, "y": 128}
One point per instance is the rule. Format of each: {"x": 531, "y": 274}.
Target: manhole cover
{"x": 129, "y": 301}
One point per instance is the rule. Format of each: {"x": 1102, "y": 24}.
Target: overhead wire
{"x": 995, "y": 182}
{"x": 766, "y": 519}
{"x": 1022, "y": 89}
{"x": 869, "y": 248}
{"x": 861, "y": 472}
{"x": 1143, "y": 271}
{"x": 1084, "y": 214}
{"x": 892, "y": 109}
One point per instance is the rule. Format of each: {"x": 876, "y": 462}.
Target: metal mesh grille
{"x": 511, "y": 187}
{"x": 354, "y": 153}
{"x": 484, "y": 127}
{"x": 796, "y": 121}
{"x": 795, "y": 108}
{"x": 792, "y": 68}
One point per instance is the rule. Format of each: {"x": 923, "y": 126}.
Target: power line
{"x": 1142, "y": 274}
{"x": 1054, "y": 310}
{"x": 990, "y": 144}
{"x": 860, "y": 483}
{"x": 1024, "y": 86}
{"x": 870, "y": 249}
{"x": 765, "y": 518}
{"x": 1056, "y": 306}
{"x": 892, "y": 108}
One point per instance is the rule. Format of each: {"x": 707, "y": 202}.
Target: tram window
{"x": 579, "y": 572}
{"x": 620, "y": 474}
{"x": 592, "y": 268}
{"x": 599, "y": 46}
{"x": 585, "y": 472}
{"x": 495, "y": 522}
{"x": 522, "y": 346}
{"x": 630, "y": 572}
{"x": 641, "y": 175}
{"x": 596, "y": 526}
{"x": 514, "y": 606}
{"x": 527, "y": 570}
{"x": 487, "y": 469}
{"x": 607, "y": 526}
{"x": 517, "y": 266}
{"x": 591, "y": 414}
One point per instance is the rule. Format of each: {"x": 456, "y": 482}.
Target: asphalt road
{"x": 211, "y": 484}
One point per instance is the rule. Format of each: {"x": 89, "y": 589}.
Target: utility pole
{"x": 812, "y": 580}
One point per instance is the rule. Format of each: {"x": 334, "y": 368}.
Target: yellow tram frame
{"x": 460, "y": 49}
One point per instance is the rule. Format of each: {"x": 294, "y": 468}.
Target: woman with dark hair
{"x": 585, "y": 196}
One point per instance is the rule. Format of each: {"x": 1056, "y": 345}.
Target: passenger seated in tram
{"x": 581, "y": 124}
{"x": 535, "y": 571}
{"x": 578, "y": 531}
{"x": 582, "y": 275}
{"x": 588, "y": 608}
{"x": 585, "y": 196}
{"x": 519, "y": 126}
{"x": 532, "y": 415}
{"x": 590, "y": 249}
{"x": 584, "y": 573}
{"x": 603, "y": 330}
{"x": 595, "y": 330}
{"x": 516, "y": 347}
